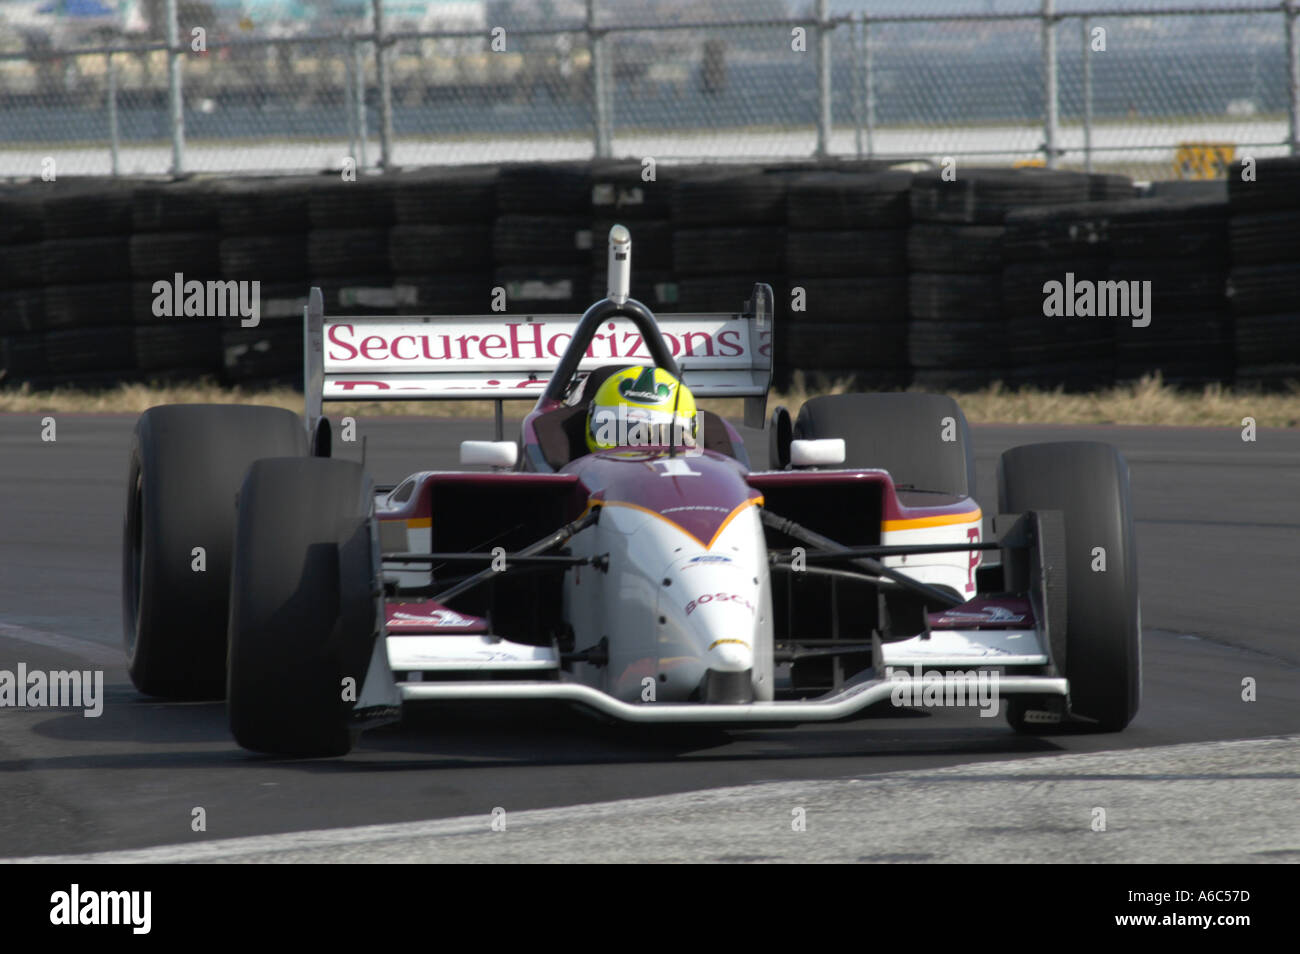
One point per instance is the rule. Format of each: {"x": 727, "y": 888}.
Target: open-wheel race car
{"x": 623, "y": 555}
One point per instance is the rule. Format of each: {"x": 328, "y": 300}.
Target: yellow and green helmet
{"x": 638, "y": 407}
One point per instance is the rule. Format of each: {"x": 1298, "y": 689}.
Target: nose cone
{"x": 730, "y": 655}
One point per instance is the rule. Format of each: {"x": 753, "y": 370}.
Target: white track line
{"x": 82, "y": 648}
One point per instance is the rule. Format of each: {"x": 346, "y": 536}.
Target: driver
{"x": 642, "y": 407}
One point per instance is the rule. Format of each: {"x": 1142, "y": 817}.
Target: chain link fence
{"x": 1154, "y": 90}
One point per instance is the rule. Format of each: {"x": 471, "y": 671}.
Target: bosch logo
{"x": 719, "y": 598}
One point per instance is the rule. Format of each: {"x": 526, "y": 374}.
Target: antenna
{"x": 620, "y": 265}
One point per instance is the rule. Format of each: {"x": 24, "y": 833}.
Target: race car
{"x": 623, "y": 554}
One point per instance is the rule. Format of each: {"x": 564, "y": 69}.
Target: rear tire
{"x": 1089, "y": 483}
{"x": 903, "y": 433}
{"x": 303, "y": 608}
{"x": 187, "y": 462}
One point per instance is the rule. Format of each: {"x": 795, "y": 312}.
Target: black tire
{"x": 935, "y": 297}
{"x": 466, "y": 293}
{"x": 347, "y": 252}
{"x": 185, "y": 206}
{"x": 186, "y": 464}
{"x": 159, "y": 255}
{"x": 730, "y": 197}
{"x": 271, "y": 352}
{"x": 22, "y": 310}
{"x": 846, "y": 254}
{"x": 256, "y": 207}
{"x": 985, "y": 196}
{"x": 1276, "y": 186}
{"x": 955, "y": 344}
{"x": 261, "y": 257}
{"x": 846, "y": 301}
{"x": 91, "y": 305}
{"x": 541, "y": 240}
{"x": 846, "y": 347}
{"x": 1264, "y": 289}
{"x": 439, "y": 249}
{"x": 446, "y": 196}
{"x": 841, "y": 200}
{"x": 196, "y": 346}
{"x": 619, "y": 190}
{"x": 90, "y": 349}
{"x": 1266, "y": 339}
{"x": 544, "y": 289}
{"x": 1089, "y": 483}
{"x": 901, "y": 433}
{"x": 954, "y": 248}
{"x": 1170, "y": 229}
{"x": 338, "y": 205}
{"x": 540, "y": 188}
{"x": 1266, "y": 239}
{"x": 302, "y": 605}
{"x": 84, "y": 260}
{"x": 728, "y": 251}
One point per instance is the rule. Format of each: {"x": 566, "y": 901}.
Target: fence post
{"x": 359, "y": 105}
{"x": 869, "y": 85}
{"x": 1291, "y": 11}
{"x": 1050, "y": 117}
{"x": 1087, "y": 97}
{"x": 176, "y": 102}
{"x": 349, "y": 98}
{"x": 113, "y": 139}
{"x": 823, "y": 80}
{"x": 857, "y": 83}
{"x": 600, "y": 92}
{"x": 385, "y": 90}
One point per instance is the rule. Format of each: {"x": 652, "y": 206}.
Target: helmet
{"x": 635, "y": 407}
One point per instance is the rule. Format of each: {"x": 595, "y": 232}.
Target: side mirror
{"x": 492, "y": 453}
{"x": 826, "y": 452}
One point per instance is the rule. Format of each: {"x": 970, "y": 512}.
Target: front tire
{"x": 186, "y": 465}
{"x": 1089, "y": 483}
{"x": 303, "y": 606}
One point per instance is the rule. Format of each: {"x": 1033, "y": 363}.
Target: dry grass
{"x": 1147, "y": 402}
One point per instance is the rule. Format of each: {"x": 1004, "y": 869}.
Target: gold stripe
{"x": 719, "y": 642}
{"x": 943, "y": 520}
{"x": 419, "y": 523}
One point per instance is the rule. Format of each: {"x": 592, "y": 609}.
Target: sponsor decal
{"x": 442, "y": 618}
{"x": 347, "y": 343}
{"x": 989, "y": 614}
{"x": 706, "y": 558}
{"x": 719, "y": 598}
{"x": 644, "y": 389}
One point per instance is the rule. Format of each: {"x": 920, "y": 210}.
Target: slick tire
{"x": 302, "y": 605}
{"x": 902, "y": 433}
{"x": 186, "y": 465}
{"x": 1089, "y": 483}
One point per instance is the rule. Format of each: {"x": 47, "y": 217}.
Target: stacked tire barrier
{"x": 884, "y": 277}
{"x": 1264, "y": 282}
{"x": 845, "y": 252}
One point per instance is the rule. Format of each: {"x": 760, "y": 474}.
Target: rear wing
{"x": 508, "y": 357}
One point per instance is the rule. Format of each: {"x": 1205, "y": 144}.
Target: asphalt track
{"x": 1217, "y": 522}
